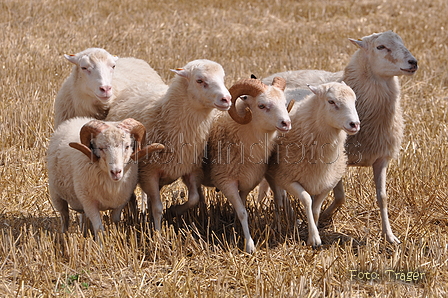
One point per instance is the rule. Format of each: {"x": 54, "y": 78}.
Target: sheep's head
{"x": 264, "y": 105}
{"x": 206, "y": 87}
{"x": 387, "y": 54}
{"x": 95, "y": 69}
{"x": 114, "y": 145}
{"x": 339, "y": 106}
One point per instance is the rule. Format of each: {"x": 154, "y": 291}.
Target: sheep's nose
{"x": 354, "y": 125}
{"x": 413, "y": 64}
{"x": 105, "y": 89}
{"x": 227, "y": 99}
{"x": 115, "y": 174}
{"x": 286, "y": 124}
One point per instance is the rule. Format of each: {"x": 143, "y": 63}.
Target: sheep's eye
{"x": 127, "y": 147}
{"x": 243, "y": 97}
{"x": 331, "y": 102}
{"x": 199, "y": 81}
{"x": 113, "y": 66}
{"x": 261, "y": 106}
{"x": 84, "y": 68}
{"x": 380, "y": 47}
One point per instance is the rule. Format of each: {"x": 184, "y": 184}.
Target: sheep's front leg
{"x": 151, "y": 187}
{"x": 298, "y": 191}
{"x": 339, "y": 200}
{"x": 231, "y": 192}
{"x": 379, "y": 176}
{"x": 93, "y": 214}
{"x": 263, "y": 190}
{"x": 194, "y": 189}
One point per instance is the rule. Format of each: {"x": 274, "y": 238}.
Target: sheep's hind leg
{"x": 339, "y": 200}
{"x": 231, "y": 192}
{"x": 379, "y": 176}
{"x": 313, "y": 234}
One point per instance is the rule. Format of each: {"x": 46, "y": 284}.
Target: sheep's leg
{"x": 62, "y": 206}
{"x": 379, "y": 176}
{"x": 231, "y": 192}
{"x": 339, "y": 200}
{"x": 313, "y": 234}
{"x": 263, "y": 190}
{"x": 116, "y": 213}
{"x": 194, "y": 189}
{"x": 151, "y": 188}
{"x": 93, "y": 214}
{"x": 280, "y": 197}
{"x": 317, "y": 204}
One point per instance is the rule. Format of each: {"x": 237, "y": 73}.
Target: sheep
{"x": 99, "y": 175}
{"x": 238, "y": 147}
{"x": 97, "y": 77}
{"x": 310, "y": 159}
{"x": 372, "y": 73}
{"x": 180, "y": 119}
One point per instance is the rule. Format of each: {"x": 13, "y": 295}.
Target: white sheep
{"x": 310, "y": 159}
{"x": 97, "y": 77}
{"x": 181, "y": 120}
{"x": 372, "y": 73}
{"x": 101, "y": 174}
{"x": 239, "y": 147}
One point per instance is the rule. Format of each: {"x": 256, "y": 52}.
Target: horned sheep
{"x": 373, "y": 74}
{"x": 181, "y": 120}
{"x": 101, "y": 174}
{"x": 310, "y": 159}
{"x": 239, "y": 147}
{"x": 96, "y": 79}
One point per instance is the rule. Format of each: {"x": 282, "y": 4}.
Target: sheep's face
{"x": 269, "y": 110}
{"x": 114, "y": 148}
{"x": 387, "y": 54}
{"x": 95, "y": 70}
{"x": 206, "y": 86}
{"x": 340, "y": 110}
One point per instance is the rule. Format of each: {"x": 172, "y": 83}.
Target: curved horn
{"x": 250, "y": 87}
{"x": 290, "y": 105}
{"x": 87, "y": 132}
{"x": 137, "y": 155}
{"x": 279, "y": 82}
{"x": 136, "y": 129}
{"x": 90, "y": 130}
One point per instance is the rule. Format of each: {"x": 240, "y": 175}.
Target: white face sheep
{"x": 310, "y": 159}
{"x": 180, "y": 118}
{"x": 239, "y": 146}
{"x": 372, "y": 73}
{"x": 101, "y": 174}
{"x": 96, "y": 79}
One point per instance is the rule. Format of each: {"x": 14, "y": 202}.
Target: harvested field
{"x": 201, "y": 253}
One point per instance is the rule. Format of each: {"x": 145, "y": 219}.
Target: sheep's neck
{"x": 183, "y": 127}
{"x": 375, "y": 95}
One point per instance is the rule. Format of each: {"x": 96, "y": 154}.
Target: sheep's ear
{"x": 358, "y": 42}
{"x": 180, "y": 71}
{"x": 314, "y": 89}
{"x": 72, "y": 58}
{"x": 343, "y": 83}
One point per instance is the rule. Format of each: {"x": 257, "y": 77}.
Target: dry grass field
{"x": 201, "y": 254}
